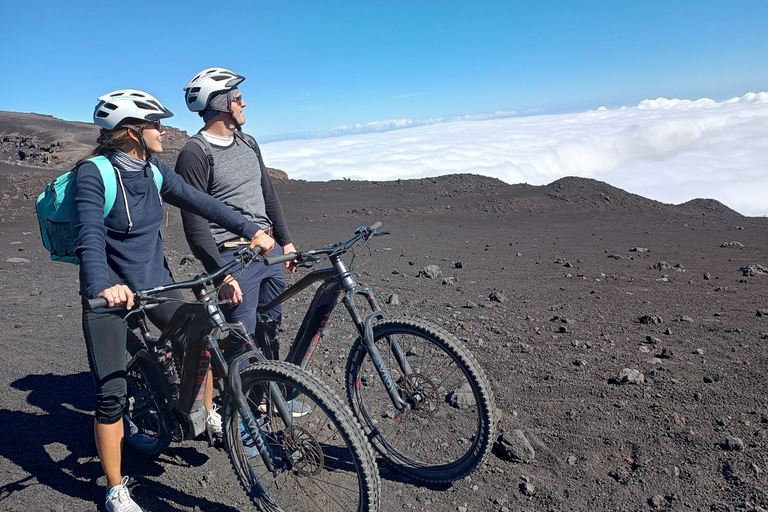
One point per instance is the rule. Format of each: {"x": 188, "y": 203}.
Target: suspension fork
{"x": 365, "y": 327}
{"x": 249, "y": 421}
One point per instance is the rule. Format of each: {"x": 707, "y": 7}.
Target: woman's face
{"x": 153, "y": 136}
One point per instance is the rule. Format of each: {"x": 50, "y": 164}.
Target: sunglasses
{"x": 155, "y": 125}
{"x": 239, "y": 100}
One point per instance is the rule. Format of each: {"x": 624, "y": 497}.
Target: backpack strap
{"x": 158, "y": 176}
{"x": 107, "y": 171}
{"x": 203, "y": 144}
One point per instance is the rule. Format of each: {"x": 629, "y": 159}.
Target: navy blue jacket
{"x": 112, "y": 254}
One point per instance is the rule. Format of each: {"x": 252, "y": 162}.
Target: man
{"x": 226, "y": 163}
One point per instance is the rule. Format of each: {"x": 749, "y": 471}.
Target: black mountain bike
{"x": 422, "y": 399}
{"x": 317, "y": 462}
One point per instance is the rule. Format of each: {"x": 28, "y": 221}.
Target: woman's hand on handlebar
{"x": 290, "y": 265}
{"x": 118, "y": 295}
{"x": 263, "y": 241}
{"x": 231, "y": 291}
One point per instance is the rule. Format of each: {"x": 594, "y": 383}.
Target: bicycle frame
{"x": 200, "y": 324}
{"x": 338, "y": 281}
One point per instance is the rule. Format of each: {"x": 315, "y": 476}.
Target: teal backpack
{"x": 56, "y": 208}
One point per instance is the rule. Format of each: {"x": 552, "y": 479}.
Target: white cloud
{"x": 669, "y": 150}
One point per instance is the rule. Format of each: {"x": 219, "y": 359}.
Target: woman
{"x": 124, "y": 251}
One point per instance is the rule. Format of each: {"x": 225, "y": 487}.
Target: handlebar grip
{"x": 374, "y": 226}
{"x": 274, "y": 260}
{"x": 98, "y": 302}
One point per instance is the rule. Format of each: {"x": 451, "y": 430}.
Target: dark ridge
{"x": 708, "y": 207}
{"x": 37, "y": 140}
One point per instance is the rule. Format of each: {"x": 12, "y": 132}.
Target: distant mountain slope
{"x": 45, "y": 141}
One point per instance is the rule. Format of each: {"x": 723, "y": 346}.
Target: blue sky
{"x": 313, "y": 66}
{"x": 651, "y": 96}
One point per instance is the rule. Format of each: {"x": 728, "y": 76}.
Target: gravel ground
{"x": 625, "y": 341}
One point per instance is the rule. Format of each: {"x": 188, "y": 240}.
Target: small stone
{"x": 657, "y": 501}
{"x": 734, "y": 444}
{"x": 17, "y": 260}
{"x": 513, "y": 446}
{"x": 431, "y": 272}
{"x": 394, "y": 299}
{"x": 666, "y": 353}
{"x": 458, "y": 264}
{"x": 527, "y": 489}
{"x": 650, "y": 319}
{"x": 630, "y": 376}
{"x": 497, "y": 296}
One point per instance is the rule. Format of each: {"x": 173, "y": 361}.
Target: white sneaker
{"x": 213, "y": 425}
{"x": 119, "y": 499}
{"x": 295, "y": 407}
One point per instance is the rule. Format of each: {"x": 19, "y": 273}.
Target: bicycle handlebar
{"x": 362, "y": 233}
{"x": 246, "y": 256}
{"x": 282, "y": 258}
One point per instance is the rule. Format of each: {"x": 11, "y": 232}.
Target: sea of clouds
{"x": 665, "y": 149}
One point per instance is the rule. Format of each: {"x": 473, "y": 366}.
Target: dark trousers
{"x": 106, "y": 336}
{"x": 260, "y": 284}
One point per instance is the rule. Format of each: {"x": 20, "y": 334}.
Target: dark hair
{"x": 109, "y": 141}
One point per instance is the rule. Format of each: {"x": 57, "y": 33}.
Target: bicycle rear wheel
{"x": 333, "y": 468}
{"x": 449, "y": 430}
{"x": 148, "y": 426}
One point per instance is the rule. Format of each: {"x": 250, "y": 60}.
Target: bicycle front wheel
{"x": 449, "y": 428}
{"x": 331, "y": 466}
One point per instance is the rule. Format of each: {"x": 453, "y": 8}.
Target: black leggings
{"x": 105, "y": 339}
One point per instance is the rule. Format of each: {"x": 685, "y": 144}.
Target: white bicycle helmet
{"x": 128, "y": 106}
{"x": 212, "y": 80}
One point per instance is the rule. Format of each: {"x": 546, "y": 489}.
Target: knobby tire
{"x": 451, "y": 430}
{"x": 336, "y": 470}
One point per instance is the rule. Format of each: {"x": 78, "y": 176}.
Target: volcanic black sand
{"x": 590, "y": 280}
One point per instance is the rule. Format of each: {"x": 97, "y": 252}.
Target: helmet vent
{"x": 110, "y": 106}
{"x": 144, "y": 106}
{"x": 101, "y": 113}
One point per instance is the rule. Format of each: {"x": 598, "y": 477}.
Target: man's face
{"x": 237, "y": 105}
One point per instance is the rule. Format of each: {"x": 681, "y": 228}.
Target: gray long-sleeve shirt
{"x": 241, "y": 181}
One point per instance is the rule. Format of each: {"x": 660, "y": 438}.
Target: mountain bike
{"x": 421, "y": 397}
{"x": 318, "y": 462}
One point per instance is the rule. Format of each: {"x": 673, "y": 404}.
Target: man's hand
{"x": 231, "y": 291}
{"x": 263, "y": 241}
{"x": 290, "y": 265}
{"x": 118, "y": 295}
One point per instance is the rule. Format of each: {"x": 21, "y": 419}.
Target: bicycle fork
{"x": 365, "y": 327}
{"x": 276, "y": 400}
